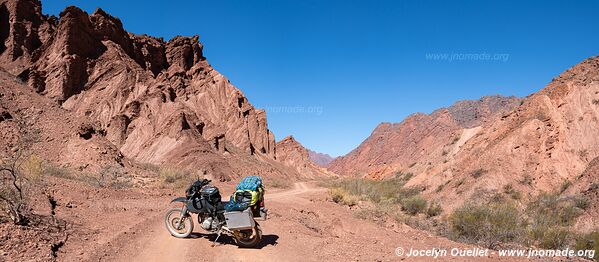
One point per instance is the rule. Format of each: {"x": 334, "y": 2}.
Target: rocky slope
{"x": 420, "y": 140}
{"x": 292, "y": 153}
{"x": 320, "y": 159}
{"x": 155, "y": 101}
{"x": 531, "y": 145}
{"x": 547, "y": 140}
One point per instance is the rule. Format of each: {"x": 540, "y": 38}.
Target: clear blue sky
{"x": 358, "y": 63}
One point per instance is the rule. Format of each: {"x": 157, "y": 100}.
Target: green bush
{"x": 487, "y": 224}
{"x": 414, "y": 205}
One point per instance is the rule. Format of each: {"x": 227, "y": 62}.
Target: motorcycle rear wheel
{"x": 171, "y": 220}
{"x": 248, "y": 238}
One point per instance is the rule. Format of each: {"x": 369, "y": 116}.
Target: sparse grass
{"x": 554, "y": 238}
{"x": 512, "y": 192}
{"x": 440, "y": 188}
{"x": 175, "y": 177}
{"x": 545, "y": 222}
{"x": 526, "y": 180}
{"x": 110, "y": 176}
{"x": 589, "y": 241}
{"x": 150, "y": 167}
{"x": 388, "y": 197}
{"x": 565, "y": 185}
{"x": 278, "y": 183}
{"x": 455, "y": 139}
{"x": 460, "y": 182}
{"x": 478, "y": 173}
{"x": 582, "y": 202}
{"x": 434, "y": 209}
{"x": 51, "y": 169}
{"x": 378, "y": 190}
{"x": 583, "y": 153}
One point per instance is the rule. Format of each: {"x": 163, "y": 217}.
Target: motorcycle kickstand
{"x": 220, "y": 231}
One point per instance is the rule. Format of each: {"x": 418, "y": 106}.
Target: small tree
{"x": 13, "y": 195}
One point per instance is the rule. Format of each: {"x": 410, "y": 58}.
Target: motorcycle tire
{"x": 171, "y": 220}
{"x": 248, "y": 238}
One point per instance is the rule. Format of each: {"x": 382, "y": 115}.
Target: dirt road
{"x": 303, "y": 226}
{"x": 164, "y": 247}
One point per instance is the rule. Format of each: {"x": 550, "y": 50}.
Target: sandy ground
{"x": 304, "y": 225}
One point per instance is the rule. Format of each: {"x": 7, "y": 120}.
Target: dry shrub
{"x": 15, "y": 181}
{"x": 109, "y": 176}
{"x": 175, "y": 177}
{"x": 487, "y": 224}
{"x": 340, "y": 196}
{"x": 414, "y": 205}
{"x": 378, "y": 190}
{"x": 277, "y": 183}
{"x": 512, "y": 192}
{"x": 434, "y": 209}
{"x": 589, "y": 241}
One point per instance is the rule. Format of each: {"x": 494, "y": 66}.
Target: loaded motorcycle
{"x": 204, "y": 200}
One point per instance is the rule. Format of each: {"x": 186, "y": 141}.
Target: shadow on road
{"x": 267, "y": 240}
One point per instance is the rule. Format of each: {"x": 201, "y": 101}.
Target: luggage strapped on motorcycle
{"x": 249, "y": 192}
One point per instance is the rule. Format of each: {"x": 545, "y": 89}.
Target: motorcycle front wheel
{"x": 179, "y": 226}
{"x": 248, "y": 238}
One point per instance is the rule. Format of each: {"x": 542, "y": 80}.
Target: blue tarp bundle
{"x": 250, "y": 183}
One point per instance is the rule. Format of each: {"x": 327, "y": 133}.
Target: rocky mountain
{"x": 292, "y": 153}
{"x": 421, "y": 139}
{"x": 320, "y": 159}
{"x": 479, "y": 148}
{"x": 155, "y": 101}
{"x": 546, "y": 142}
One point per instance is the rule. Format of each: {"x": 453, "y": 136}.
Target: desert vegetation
{"x": 19, "y": 180}
{"x": 546, "y": 222}
{"x": 387, "y": 197}
{"x": 504, "y": 217}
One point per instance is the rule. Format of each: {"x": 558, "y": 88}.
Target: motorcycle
{"x": 204, "y": 200}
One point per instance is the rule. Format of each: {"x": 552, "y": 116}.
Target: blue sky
{"x": 330, "y": 71}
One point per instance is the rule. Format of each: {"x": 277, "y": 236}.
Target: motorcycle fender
{"x": 179, "y": 199}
